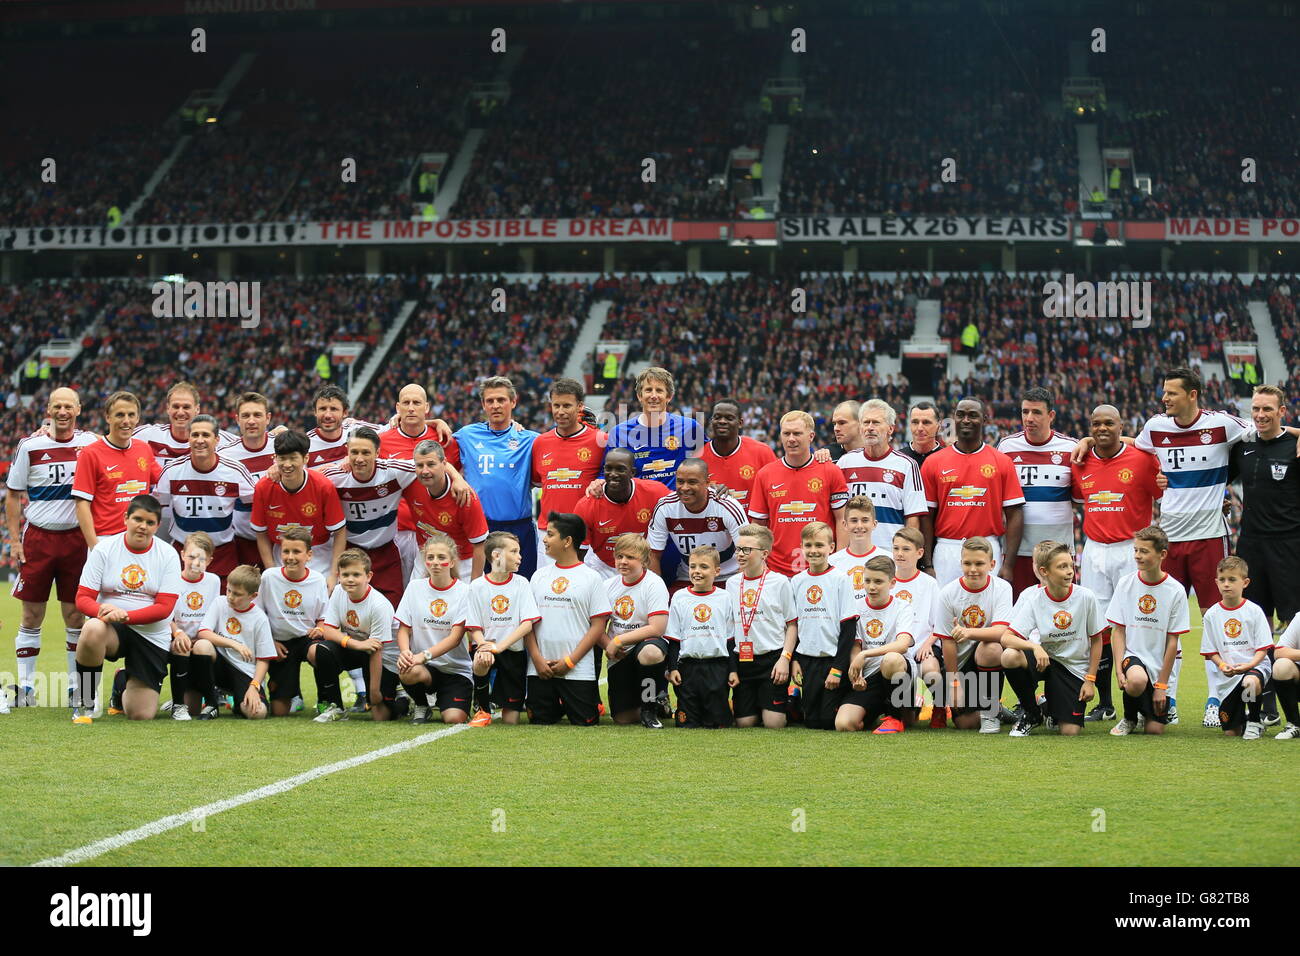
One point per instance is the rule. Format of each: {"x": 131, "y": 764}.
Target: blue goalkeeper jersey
{"x": 658, "y": 451}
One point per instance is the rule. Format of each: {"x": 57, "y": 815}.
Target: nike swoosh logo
{"x": 778, "y": 484}
{"x": 1251, "y": 452}
{"x": 1086, "y": 477}
{"x": 948, "y": 471}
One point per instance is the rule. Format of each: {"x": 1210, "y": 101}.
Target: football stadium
{"x": 657, "y": 434}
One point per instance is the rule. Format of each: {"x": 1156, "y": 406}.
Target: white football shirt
{"x": 702, "y": 623}
{"x": 498, "y": 609}
{"x": 822, "y": 602}
{"x": 1065, "y": 627}
{"x": 1148, "y": 613}
{"x": 568, "y": 599}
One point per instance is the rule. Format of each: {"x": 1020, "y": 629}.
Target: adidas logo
{"x": 1018, "y": 460}
{"x": 183, "y": 489}
{"x": 1165, "y": 442}
{"x": 45, "y": 457}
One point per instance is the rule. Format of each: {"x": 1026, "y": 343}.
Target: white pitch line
{"x": 106, "y": 845}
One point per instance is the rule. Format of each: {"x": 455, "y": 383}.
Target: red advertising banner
{"x": 1233, "y": 230}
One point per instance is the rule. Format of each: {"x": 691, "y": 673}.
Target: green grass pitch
{"x": 501, "y": 796}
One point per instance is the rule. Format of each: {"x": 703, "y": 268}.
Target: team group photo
{"x": 758, "y": 419}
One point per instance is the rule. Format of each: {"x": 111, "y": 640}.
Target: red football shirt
{"x": 739, "y": 469}
{"x": 789, "y": 498}
{"x": 564, "y": 465}
{"x": 968, "y": 492}
{"x": 467, "y": 526}
{"x": 315, "y": 506}
{"x": 109, "y": 477}
{"x": 1116, "y": 493}
{"x": 395, "y": 443}
{"x": 606, "y": 520}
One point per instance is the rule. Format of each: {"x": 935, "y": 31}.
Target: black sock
{"x": 119, "y": 687}
{"x": 647, "y": 673}
{"x": 482, "y": 691}
{"x": 400, "y": 708}
{"x": 419, "y": 693}
{"x": 1287, "y": 692}
{"x": 327, "y": 676}
{"x": 1104, "y": 669}
{"x": 1130, "y": 705}
{"x": 1252, "y": 710}
{"x": 1026, "y": 688}
{"x": 1269, "y": 700}
{"x": 180, "y": 668}
{"x": 202, "y": 679}
{"x": 88, "y": 681}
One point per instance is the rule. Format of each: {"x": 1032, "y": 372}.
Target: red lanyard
{"x": 746, "y": 624}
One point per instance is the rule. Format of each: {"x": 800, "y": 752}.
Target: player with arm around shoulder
{"x": 233, "y": 649}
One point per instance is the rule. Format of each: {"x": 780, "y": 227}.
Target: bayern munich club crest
{"x": 714, "y": 525}
{"x": 888, "y": 477}
{"x": 1206, "y": 438}
{"x": 1057, "y": 458}
{"x": 1062, "y": 620}
{"x": 1147, "y": 603}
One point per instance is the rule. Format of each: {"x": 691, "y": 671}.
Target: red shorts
{"x": 246, "y": 552}
{"x": 53, "y": 557}
{"x": 386, "y": 571}
{"x": 1195, "y": 565}
{"x": 1024, "y": 576}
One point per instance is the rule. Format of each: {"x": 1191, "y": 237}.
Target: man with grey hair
{"x": 497, "y": 456}
{"x": 433, "y": 507}
{"x": 889, "y": 478}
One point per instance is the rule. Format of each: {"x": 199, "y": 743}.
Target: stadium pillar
{"x": 1166, "y": 259}
{"x": 1008, "y": 258}
{"x": 1252, "y": 259}
{"x": 694, "y": 258}
{"x": 225, "y": 265}
{"x": 449, "y": 264}
{"x": 929, "y": 259}
{"x": 609, "y": 260}
{"x": 157, "y": 264}
{"x": 374, "y": 262}
{"x": 850, "y": 258}
{"x": 528, "y": 256}
{"x": 302, "y": 262}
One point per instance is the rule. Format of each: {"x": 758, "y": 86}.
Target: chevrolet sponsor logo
{"x": 797, "y": 507}
{"x": 662, "y": 464}
{"x": 967, "y": 492}
{"x": 563, "y": 474}
{"x": 1105, "y": 498}
{"x": 133, "y": 488}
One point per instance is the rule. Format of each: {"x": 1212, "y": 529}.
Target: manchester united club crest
{"x": 859, "y": 577}
{"x": 814, "y": 595}
{"x": 671, "y": 443}
{"x": 749, "y": 598}
{"x": 1125, "y": 475}
{"x": 354, "y": 619}
{"x": 560, "y": 585}
{"x": 1062, "y": 620}
{"x": 584, "y": 454}
{"x": 643, "y": 515}
{"x": 973, "y": 616}
{"x": 142, "y": 464}
{"x": 500, "y": 604}
{"x": 988, "y": 471}
{"x": 1206, "y": 437}
{"x": 747, "y": 472}
{"x": 874, "y": 628}
{"x": 133, "y": 577}
{"x": 1147, "y": 603}
{"x": 194, "y": 600}
{"x": 904, "y": 595}
{"x": 437, "y": 607}
{"x": 444, "y": 518}
{"x": 815, "y": 485}
{"x": 703, "y": 612}
{"x": 233, "y": 626}
{"x": 309, "y": 509}
{"x": 624, "y": 607}
{"x": 1232, "y": 627}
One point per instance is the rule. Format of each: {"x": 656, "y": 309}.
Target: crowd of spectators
{"x": 738, "y": 338}
{"x": 877, "y": 128}
{"x": 457, "y": 339}
{"x": 1190, "y": 127}
{"x": 587, "y": 111}
{"x": 1283, "y": 297}
{"x": 1088, "y": 361}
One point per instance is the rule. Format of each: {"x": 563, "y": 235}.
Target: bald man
{"x": 1116, "y": 485}
{"x": 51, "y": 549}
{"x": 398, "y": 442}
{"x": 847, "y": 425}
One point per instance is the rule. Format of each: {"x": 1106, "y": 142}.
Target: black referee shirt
{"x": 920, "y": 457}
{"x": 1270, "y": 486}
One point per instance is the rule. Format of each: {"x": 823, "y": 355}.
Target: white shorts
{"x": 599, "y": 566}
{"x": 544, "y": 560}
{"x": 1102, "y": 565}
{"x": 410, "y": 553}
{"x": 947, "y": 559}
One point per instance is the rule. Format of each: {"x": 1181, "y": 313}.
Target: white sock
{"x": 74, "y": 635}
{"x": 358, "y": 681}
{"x": 28, "y": 645}
{"x": 1210, "y": 670}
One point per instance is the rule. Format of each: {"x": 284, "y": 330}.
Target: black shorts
{"x": 702, "y": 696}
{"x": 549, "y": 700}
{"x": 820, "y": 704}
{"x": 1146, "y": 701}
{"x": 756, "y": 692}
{"x": 234, "y": 681}
{"x": 970, "y": 677}
{"x": 285, "y": 677}
{"x": 450, "y": 691}
{"x": 145, "y": 660}
{"x": 510, "y": 685}
{"x": 1232, "y": 709}
{"x": 884, "y": 698}
{"x": 1062, "y": 689}
{"x": 625, "y": 689}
